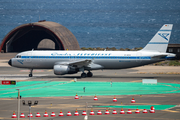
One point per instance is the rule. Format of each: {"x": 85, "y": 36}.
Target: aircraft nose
{"x": 10, "y": 62}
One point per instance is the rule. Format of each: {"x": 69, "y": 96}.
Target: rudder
{"x": 161, "y": 39}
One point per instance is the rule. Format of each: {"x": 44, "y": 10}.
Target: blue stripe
{"x": 169, "y": 57}
{"x": 158, "y": 43}
{"x": 86, "y": 57}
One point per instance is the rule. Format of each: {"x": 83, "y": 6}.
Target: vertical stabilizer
{"x": 160, "y": 41}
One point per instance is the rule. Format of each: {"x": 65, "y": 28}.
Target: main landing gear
{"x": 30, "y": 74}
{"x": 89, "y": 74}
{"x": 83, "y": 75}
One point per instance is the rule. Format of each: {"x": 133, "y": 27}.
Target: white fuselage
{"x": 106, "y": 59}
{"x": 70, "y": 62}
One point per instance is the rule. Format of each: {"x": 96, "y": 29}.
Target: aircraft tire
{"x": 30, "y": 75}
{"x": 83, "y": 75}
{"x": 89, "y": 74}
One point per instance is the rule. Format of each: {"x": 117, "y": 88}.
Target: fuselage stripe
{"x": 86, "y": 57}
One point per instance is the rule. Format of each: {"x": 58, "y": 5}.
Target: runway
{"x": 55, "y": 93}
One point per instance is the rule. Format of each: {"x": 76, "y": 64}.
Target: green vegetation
{"x": 163, "y": 63}
{"x": 174, "y": 63}
{"x": 168, "y": 63}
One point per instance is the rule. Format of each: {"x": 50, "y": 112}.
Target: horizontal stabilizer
{"x": 158, "y": 56}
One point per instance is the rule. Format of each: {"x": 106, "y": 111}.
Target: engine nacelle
{"x": 63, "y": 69}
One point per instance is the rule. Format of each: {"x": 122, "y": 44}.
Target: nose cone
{"x": 10, "y": 62}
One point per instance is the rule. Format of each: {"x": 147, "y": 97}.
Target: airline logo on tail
{"x": 164, "y": 35}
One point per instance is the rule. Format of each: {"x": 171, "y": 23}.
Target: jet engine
{"x": 64, "y": 69}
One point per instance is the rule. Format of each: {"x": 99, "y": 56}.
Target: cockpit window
{"x": 18, "y": 56}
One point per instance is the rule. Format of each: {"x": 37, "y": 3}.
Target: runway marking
{"x": 136, "y": 117}
{"x": 157, "y": 107}
{"x": 46, "y": 86}
{"x": 57, "y": 106}
{"x": 38, "y": 83}
{"x": 64, "y": 89}
{"x": 7, "y": 99}
{"x": 3, "y": 118}
{"x": 137, "y": 81}
{"x": 152, "y": 96}
{"x": 171, "y": 111}
{"x": 143, "y": 104}
{"x": 110, "y": 96}
{"x": 29, "y": 89}
{"x": 34, "y": 88}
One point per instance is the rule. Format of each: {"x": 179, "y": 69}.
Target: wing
{"x": 87, "y": 64}
{"x": 80, "y": 63}
{"x": 77, "y": 63}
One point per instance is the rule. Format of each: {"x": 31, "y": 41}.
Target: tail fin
{"x": 160, "y": 41}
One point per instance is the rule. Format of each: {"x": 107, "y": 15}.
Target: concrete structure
{"x": 174, "y": 48}
{"x": 39, "y": 35}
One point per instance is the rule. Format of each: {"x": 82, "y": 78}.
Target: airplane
{"x": 71, "y": 62}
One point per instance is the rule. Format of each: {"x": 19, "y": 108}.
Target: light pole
{"x": 86, "y": 117}
{"x": 30, "y": 104}
{"x": 18, "y": 103}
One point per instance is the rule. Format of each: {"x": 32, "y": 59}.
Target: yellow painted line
{"x": 135, "y": 110}
{"x": 8, "y": 99}
{"x": 137, "y": 81}
{"x": 2, "y": 118}
{"x": 50, "y": 70}
{"x": 171, "y": 111}
{"x": 144, "y": 103}
{"x": 132, "y": 111}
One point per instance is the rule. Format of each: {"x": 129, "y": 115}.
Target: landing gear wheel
{"x": 83, "y": 75}
{"x": 30, "y": 75}
{"x": 89, "y": 74}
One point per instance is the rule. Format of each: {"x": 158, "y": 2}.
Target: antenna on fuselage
{"x": 33, "y": 49}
